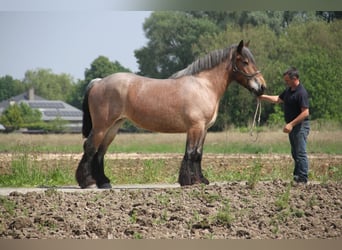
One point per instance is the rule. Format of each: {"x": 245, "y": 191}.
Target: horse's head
{"x": 245, "y": 72}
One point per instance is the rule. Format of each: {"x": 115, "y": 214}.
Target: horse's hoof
{"x": 184, "y": 181}
{"x": 105, "y": 186}
{"x": 88, "y": 186}
{"x": 204, "y": 180}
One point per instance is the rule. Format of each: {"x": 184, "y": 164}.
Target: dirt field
{"x": 231, "y": 210}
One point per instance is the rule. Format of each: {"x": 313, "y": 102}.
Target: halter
{"x": 237, "y": 70}
{"x": 248, "y": 76}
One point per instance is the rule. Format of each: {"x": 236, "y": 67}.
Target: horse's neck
{"x": 217, "y": 79}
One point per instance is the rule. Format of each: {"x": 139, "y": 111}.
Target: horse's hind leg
{"x": 84, "y": 171}
{"x": 91, "y": 167}
{"x": 191, "y": 171}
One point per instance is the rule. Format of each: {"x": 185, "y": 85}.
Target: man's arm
{"x": 304, "y": 114}
{"x": 270, "y": 98}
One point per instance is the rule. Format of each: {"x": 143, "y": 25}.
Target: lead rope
{"x": 257, "y": 110}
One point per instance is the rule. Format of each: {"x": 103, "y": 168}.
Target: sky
{"x": 68, "y": 41}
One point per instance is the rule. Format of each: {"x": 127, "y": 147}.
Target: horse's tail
{"x": 87, "y": 123}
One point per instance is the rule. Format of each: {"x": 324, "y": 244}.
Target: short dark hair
{"x": 292, "y": 73}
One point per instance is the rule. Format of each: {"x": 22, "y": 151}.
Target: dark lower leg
{"x": 102, "y": 181}
{"x": 191, "y": 171}
{"x": 184, "y": 177}
{"x": 84, "y": 170}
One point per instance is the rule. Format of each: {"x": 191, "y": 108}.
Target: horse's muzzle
{"x": 260, "y": 91}
{"x": 257, "y": 88}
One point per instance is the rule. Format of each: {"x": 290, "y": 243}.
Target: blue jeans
{"x": 298, "y": 138}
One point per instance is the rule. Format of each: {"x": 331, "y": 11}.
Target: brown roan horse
{"x": 187, "y": 102}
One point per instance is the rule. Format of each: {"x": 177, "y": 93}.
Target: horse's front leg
{"x": 191, "y": 171}
{"x": 102, "y": 181}
{"x": 198, "y": 166}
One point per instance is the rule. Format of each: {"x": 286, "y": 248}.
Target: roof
{"x": 55, "y": 109}
{"x": 50, "y": 109}
{"x": 16, "y": 99}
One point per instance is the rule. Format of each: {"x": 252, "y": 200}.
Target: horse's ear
{"x": 247, "y": 43}
{"x": 240, "y": 46}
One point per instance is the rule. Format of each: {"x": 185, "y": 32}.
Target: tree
{"x": 171, "y": 37}
{"x": 12, "y": 118}
{"x": 49, "y": 85}
{"x": 29, "y": 115}
{"x": 219, "y": 18}
{"x": 10, "y": 87}
{"x": 19, "y": 115}
{"x": 102, "y": 67}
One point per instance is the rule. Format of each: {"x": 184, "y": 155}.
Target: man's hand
{"x": 288, "y": 128}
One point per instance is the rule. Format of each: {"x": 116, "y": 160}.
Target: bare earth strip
{"x": 226, "y": 211}
{"x": 5, "y": 157}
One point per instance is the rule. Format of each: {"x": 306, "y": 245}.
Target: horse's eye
{"x": 245, "y": 63}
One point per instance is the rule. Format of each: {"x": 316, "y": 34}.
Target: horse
{"x": 186, "y": 102}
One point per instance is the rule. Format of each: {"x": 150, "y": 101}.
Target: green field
{"x": 328, "y": 142}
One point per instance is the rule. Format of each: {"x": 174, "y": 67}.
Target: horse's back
{"x": 115, "y": 86}
{"x": 119, "y": 79}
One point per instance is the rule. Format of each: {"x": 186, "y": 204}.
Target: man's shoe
{"x": 298, "y": 183}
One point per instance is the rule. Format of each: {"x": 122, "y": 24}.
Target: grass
{"x": 223, "y": 142}
{"x": 254, "y": 175}
{"x": 285, "y": 211}
{"x": 146, "y": 171}
{"x": 26, "y": 172}
{"x": 25, "y": 168}
{"x": 224, "y": 216}
{"x": 8, "y": 205}
{"x": 282, "y": 201}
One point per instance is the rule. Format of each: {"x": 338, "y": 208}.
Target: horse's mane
{"x": 209, "y": 61}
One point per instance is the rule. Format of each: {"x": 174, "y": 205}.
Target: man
{"x": 296, "y": 113}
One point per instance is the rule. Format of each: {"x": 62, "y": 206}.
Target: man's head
{"x": 291, "y": 77}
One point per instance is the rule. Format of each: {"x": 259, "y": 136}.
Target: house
{"x": 50, "y": 110}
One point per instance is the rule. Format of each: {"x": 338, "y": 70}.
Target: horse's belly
{"x": 166, "y": 123}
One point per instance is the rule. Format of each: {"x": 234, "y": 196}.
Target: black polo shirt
{"x": 294, "y": 101}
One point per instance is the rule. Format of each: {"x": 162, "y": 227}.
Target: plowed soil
{"x": 234, "y": 210}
